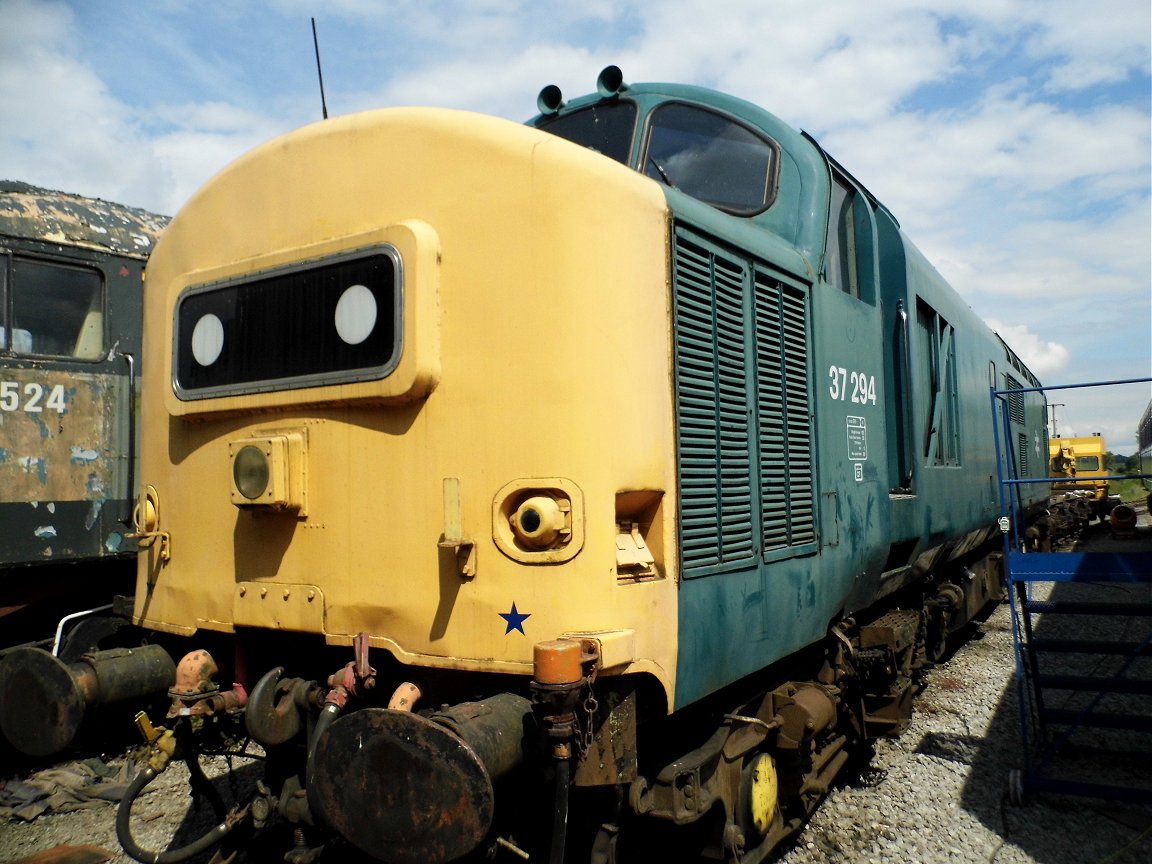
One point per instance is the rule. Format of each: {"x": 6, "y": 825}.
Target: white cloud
{"x": 69, "y": 130}
{"x": 63, "y": 129}
{"x": 1097, "y": 44}
{"x": 1044, "y": 358}
{"x": 502, "y": 90}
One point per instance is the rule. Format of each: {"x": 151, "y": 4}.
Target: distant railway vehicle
{"x": 70, "y": 326}
{"x": 1082, "y": 465}
{"x": 568, "y": 488}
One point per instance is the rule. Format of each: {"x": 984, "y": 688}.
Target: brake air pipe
{"x": 560, "y": 814}
{"x": 67, "y": 618}
{"x": 171, "y": 856}
{"x": 327, "y": 717}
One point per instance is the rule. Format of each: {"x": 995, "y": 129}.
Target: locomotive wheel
{"x": 936, "y": 635}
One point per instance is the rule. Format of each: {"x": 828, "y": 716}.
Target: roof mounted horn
{"x": 611, "y": 82}
{"x": 550, "y": 100}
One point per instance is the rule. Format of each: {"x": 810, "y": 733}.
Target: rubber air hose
{"x": 171, "y": 856}
{"x": 560, "y": 813}
{"x": 327, "y": 717}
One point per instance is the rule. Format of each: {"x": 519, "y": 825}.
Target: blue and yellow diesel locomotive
{"x": 631, "y": 460}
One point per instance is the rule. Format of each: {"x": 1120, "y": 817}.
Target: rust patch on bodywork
{"x": 57, "y": 428}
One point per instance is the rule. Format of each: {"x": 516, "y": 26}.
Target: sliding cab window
{"x": 941, "y": 414}
{"x": 56, "y": 310}
{"x": 711, "y": 157}
{"x": 840, "y": 266}
{"x": 851, "y": 255}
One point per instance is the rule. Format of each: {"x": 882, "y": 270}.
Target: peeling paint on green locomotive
{"x": 65, "y": 399}
{"x": 31, "y": 213}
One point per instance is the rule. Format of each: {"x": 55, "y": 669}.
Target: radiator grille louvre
{"x": 715, "y": 469}
{"x": 743, "y": 414}
{"x": 1015, "y": 401}
{"x": 785, "y": 425}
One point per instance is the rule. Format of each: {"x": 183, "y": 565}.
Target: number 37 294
{"x": 858, "y": 387}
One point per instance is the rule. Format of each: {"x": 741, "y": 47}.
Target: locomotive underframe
{"x": 420, "y": 776}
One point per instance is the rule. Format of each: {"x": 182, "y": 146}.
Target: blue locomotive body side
{"x": 835, "y": 436}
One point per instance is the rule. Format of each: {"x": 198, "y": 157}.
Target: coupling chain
{"x": 584, "y": 732}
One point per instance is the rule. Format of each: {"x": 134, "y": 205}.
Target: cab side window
{"x": 54, "y": 309}
{"x": 852, "y": 262}
{"x": 937, "y": 350}
{"x": 840, "y": 258}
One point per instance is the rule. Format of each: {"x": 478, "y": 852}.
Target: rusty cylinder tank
{"x": 411, "y": 789}
{"x": 43, "y": 700}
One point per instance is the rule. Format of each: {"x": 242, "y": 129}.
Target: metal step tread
{"x": 1062, "y": 717}
{"x": 1092, "y": 684}
{"x": 1079, "y": 607}
{"x": 1088, "y": 646}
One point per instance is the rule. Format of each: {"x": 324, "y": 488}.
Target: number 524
{"x": 34, "y": 397}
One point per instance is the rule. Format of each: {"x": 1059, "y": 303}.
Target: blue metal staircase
{"x": 1082, "y": 631}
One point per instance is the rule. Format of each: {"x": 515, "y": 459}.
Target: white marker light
{"x": 207, "y": 340}
{"x": 355, "y": 314}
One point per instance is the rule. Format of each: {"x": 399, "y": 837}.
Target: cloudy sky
{"x": 1011, "y": 138}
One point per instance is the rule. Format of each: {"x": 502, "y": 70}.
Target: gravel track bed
{"x": 939, "y": 793}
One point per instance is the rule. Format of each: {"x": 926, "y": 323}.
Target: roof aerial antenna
{"x": 319, "y": 71}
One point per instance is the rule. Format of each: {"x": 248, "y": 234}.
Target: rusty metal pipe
{"x": 405, "y": 697}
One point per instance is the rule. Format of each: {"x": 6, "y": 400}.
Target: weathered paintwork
{"x": 60, "y": 455}
{"x": 864, "y": 400}
{"x": 537, "y": 345}
{"x": 30, "y": 213}
{"x": 64, "y": 420}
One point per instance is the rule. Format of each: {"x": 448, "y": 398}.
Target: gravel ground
{"x": 937, "y": 794}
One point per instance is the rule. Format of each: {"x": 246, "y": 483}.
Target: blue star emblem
{"x": 514, "y": 619}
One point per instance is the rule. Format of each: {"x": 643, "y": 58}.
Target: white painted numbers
{"x": 32, "y": 397}
{"x": 858, "y": 387}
